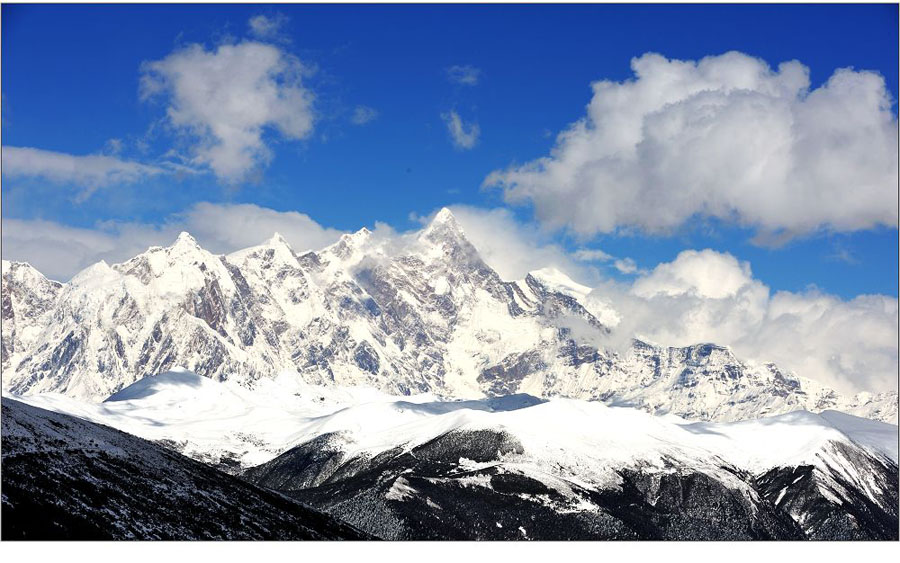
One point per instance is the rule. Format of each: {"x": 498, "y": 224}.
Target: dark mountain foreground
{"x": 67, "y": 478}
{"x": 64, "y": 478}
{"x": 462, "y": 486}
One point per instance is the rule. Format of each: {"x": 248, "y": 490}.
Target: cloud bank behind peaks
{"x": 224, "y": 100}
{"x": 708, "y": 296}
{"x": 725, "y": 137}
{"x": 60, "y": 251}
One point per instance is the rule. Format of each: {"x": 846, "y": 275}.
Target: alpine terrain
{"x": 396, "y": 387}
{"x": 425, "y": 314}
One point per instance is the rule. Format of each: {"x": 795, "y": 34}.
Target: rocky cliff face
{"x": 26, "y": 300}
{"x": 420, "y": 314}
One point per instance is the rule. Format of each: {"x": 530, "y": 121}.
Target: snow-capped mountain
{"x": 519, "y": 466}
{"x": 34, "y": 296}
{"x": 419, "y": 313}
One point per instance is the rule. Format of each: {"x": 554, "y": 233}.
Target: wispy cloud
{"x": 86, "y": 172}
{"x": 363, "y": 114}
{"x": 841, "y": 253}
{"x": 591, "y": 255}
{"x": 268, "y": 27}
{"x": 464, "y": 135}
{"x": 467, "y": 75}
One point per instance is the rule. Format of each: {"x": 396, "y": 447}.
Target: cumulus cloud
{"x": 60, "y": 251}
{"x": 467, "y": 75}
{"x": 267, "y": 27}
{"x": 363, "y": 114}
{"x": 706, "y": 273}
{"x": 225, "y": 99}
{"x": 87, "y": 172}
{"x": 464, "y": 135}
{"x": 726, "y": 137}
{"x": 707, "y": 296}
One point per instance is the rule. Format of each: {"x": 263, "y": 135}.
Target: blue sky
{"x": 71, "y": 84}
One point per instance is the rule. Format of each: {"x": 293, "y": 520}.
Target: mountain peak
{"x": 350, "y": 243}
{"x": 94, "y": 275}
{"x": 23, "y": 271}
{"x": 443, "y": 216}
{"x": 357, "y": 237}
{"x": 185, "y": 239}
{"x": 557, "y": 280}
{"x": 277, "y": 240}
{"x": 444, "y": 226}
{"x": 9, "y": 266}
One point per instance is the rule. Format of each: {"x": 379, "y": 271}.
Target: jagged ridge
{"x": 422, "y": 314}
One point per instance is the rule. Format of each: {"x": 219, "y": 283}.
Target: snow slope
{"x": 216, "y": 421}
{"x": 287, "y": 434}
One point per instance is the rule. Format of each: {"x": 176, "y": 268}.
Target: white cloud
{"x": 842, "y": 254}
{"x": 363, "y": 114}
{"x": 706, "y": 296}
{"x": 706, "y": 273}
{"x": 591, "y": 255}
{"x": 626, "y": 265}
{"x": 725, "y": 137}
{"x": 60, "y": 251}
{"x": 87, "y": 172}
{"x": 267, "y": 27}
{"x": 466, "y": 75}
{"x": 464, "y": 135}
{"x": 225, "y": 99}
{"x": 225, "y": 228}
{"x": 113, "y": 146}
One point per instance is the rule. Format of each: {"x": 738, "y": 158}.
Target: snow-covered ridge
{"x": 215, "y": 421}
{"x": 422, "y": 313}
{"x": 568, "y": 456}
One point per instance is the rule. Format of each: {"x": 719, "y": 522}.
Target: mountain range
{"x": 397, "y": 387}
{"x": 417, "y": 313}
